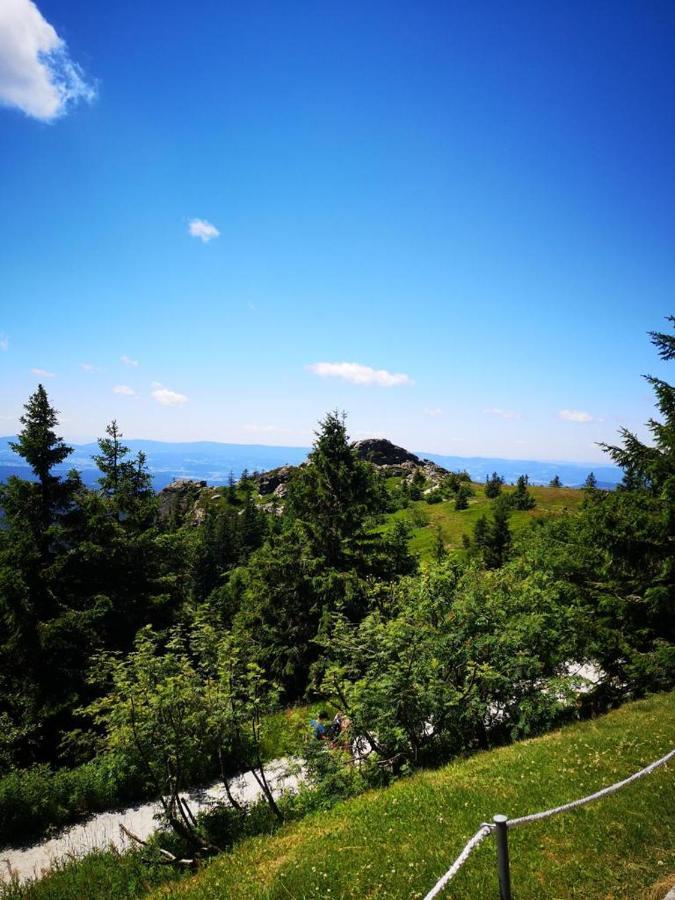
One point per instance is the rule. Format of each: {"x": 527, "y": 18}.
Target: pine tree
{"x": 231, "y": 489}
{"x": 555, "y": 482}
{"x": 462, "y": 497}
{"x": 42, "y": 449}
{"x": 110, "y": 459}
{"x": 521, "y": 497}
{"x": 493, "y": 486}
{"x": 591, "y": 482}
{"x": 500, "y": 537}
{"x": 335, "y": 495}
{"x": 653, "y": 465}
{"x": 125, "y": 483}
{"x": 492, "y": 539}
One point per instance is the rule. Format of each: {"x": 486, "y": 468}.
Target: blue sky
{"x": 472, "y": 202}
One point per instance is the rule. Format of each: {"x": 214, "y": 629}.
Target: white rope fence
{"x": 471, "y": 845}
{"x": 487, "y": 828}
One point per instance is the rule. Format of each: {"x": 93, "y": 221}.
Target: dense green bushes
{"x": 31, "y": 800}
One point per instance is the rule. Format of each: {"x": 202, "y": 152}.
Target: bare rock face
{"x": 179, "y": 500}
{"x": 397, "y": 461}
{"x": 275, "y": 481}
{"x": 382, "y": 452}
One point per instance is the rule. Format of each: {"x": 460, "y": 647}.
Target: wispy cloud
{"x": 4, "y": 342}
{"x": 128, "y": 361}
{"x": 575, "y": 415}
{"x": 89, "y": 367}
{"x": 503, "y": 413}
{"x": 43, "y": 373}
{"x": 203, "y": 230}
{"x": 37, "y": 74}
{"x": 124, "y": 389}
{"x": 433, "y": 411}
{"x": 166, "y": 397}
{"x": 359, "y": 374}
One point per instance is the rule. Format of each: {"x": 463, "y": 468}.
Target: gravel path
{"x": 103, "y": 829}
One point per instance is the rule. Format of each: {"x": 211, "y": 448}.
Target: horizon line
{"x": 423, "y": 454}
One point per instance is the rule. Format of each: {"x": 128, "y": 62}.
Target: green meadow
{"x": 426, "y": 518}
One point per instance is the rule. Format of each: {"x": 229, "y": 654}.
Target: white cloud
{"x": 88, "y": 367}
{"x": 503, "y": 413}
{"x": 165, "y": 397}
{"x": 4, "y": 343}
{"x": 37, "y": 74}
{"x": 43, "y": 373}
{"x": 575, "y": 415}
{"x": 358, "y": 374}
{"x": 433, "y": 411}
{"x": 128, "y": 361}
{"x": 203, "y": 230}
{"x": 124, "y": 389}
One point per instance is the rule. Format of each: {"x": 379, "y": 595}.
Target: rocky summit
{"x": 382, "y": 452}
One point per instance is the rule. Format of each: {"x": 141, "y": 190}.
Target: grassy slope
{"x": 397, "y": 842}
{"x": 455, "y": 523}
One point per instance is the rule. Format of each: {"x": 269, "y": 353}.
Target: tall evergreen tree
{"x": 653, "y": 464}
{"x": 42, "y": 449}
{"x": 335, "y": 495}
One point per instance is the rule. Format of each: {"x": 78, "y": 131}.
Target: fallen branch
{"x": 170, "y": 858}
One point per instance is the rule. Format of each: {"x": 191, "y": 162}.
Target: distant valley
{"x": 212, "y": 462}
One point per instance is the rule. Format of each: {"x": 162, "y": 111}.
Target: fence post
{"x": 501, "y": 837}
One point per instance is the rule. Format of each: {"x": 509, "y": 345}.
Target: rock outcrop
{"x": 397, "y": 461}
{"x": 382, "y": 452}
{"x": 187, "y": 501}
{"x": 275, "y": 481}
{"x": 183, "y": 500}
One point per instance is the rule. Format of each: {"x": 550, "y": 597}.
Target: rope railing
{"x": 501, "y": 824}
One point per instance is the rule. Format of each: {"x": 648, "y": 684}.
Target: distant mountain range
{"x": 212, "y": 462}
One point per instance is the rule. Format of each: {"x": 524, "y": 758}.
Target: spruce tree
{"x": 462, "y": 497}
{"x": 110, "y": 459}
{"x": 653, "y": 465}
{"x": 521, "y": 497}
{"x": 335, "y": 495}
{"x": 591, "y": 482}
{"x": 555, "y": 482}
{"x": 493, "y": 486}
{"x": 42, "y": 448}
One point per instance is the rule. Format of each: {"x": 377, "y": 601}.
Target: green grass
{"x": 101, "y": 875}
{"x": 455, "y": 523}
{"x": 396, "y": 842}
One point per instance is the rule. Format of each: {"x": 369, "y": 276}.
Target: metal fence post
{"x": 501, "y": 837}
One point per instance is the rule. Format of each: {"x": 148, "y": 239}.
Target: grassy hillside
{"x": 424, "y": 518}
{"x": 397, "y": 842}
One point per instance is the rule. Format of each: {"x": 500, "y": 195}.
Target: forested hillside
{"x": 148, "y": 640}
